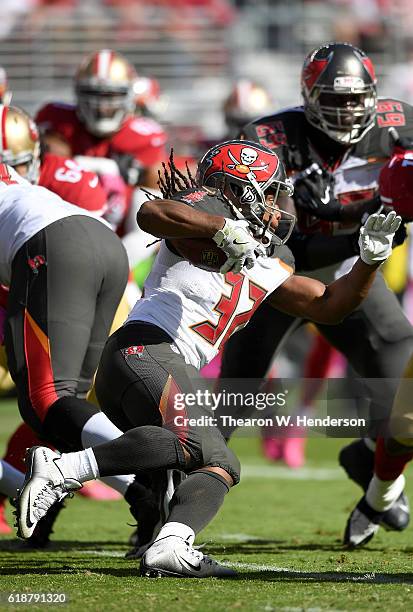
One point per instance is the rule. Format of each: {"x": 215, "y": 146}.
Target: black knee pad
{"x": 64, "y": 422}
{"x": 213, "y": 475}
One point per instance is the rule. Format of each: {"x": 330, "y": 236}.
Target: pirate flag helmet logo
{"x": 253, "y": 179}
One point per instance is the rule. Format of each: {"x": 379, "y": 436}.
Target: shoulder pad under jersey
{"x": 285, "y": 133}
{"x": 205, "y": 200}
{"x": 377, "y": 143}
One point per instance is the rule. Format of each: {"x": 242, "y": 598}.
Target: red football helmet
{"x": 253, "y": 180}
{"x": 246, "y": 101}
{"x": 147, "y": 93}
{"x": 104, "y": 91}
{"x": 338, "y": 84}
{"x": 396, "y": 183}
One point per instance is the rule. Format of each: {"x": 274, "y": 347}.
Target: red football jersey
{"x": 64, "y": 177}
{"x": 141, "y": 137}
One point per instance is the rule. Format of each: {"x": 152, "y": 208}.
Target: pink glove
{"x": 117, "y": 196}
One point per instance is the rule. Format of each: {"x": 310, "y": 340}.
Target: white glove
{"x": 237, "y": 242}
{"x": 376, "y": 237}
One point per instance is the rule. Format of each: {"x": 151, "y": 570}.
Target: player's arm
{"x": 310, "y": 299}
{"x": 171, "y": 219}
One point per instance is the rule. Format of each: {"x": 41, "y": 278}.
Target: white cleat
{"x": 362, "y": 525}
{"x": 173, "y": 556}
{"x": 43, "y": 486}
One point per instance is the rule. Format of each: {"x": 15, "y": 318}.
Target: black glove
{"x": 129, "y": 167}
{"x": 314, "y": 193}
{"x": 400, "y": 235}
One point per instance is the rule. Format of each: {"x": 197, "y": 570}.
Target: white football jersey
{"x": 200, "y": 310}
{"x": 25, "y": 209}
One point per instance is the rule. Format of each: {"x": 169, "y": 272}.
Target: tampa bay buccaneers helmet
{"x": 19, "y": 142}
{"x": 245, "y": 102}
{"x": 338, "y": 84}
{"x": 253, "y": 180}
{"x": 104, "y": 91}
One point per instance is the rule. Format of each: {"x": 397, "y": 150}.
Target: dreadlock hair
{"x": 173, "y": 180}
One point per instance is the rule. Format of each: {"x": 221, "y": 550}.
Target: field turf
{"x": 280, "y": 528}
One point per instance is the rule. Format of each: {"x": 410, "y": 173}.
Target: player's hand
{"x": 129, "y": 167}
{"x": 314, "y": 193}
{"x": 376, "y": 237}
{"x": 237, "y": 242}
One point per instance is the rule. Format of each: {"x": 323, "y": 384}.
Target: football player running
{"x": 186, "y": 314}
{"x": 334, "y": 147}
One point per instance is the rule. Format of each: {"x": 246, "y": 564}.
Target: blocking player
{"x": 186, "y": 314}
{"x": 22, "y": 151}
{"x": 67, "y": 272}
{"x": 334, "y": 147}
{"x": 394, "y": 449}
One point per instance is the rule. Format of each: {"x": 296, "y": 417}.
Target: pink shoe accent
{"x": 5, "y": 528}
{"x": 272, "y": 448}
{"x": 294, "y": 452}
{"x": 100, "y": 491}
{"x": 213, "y": 368}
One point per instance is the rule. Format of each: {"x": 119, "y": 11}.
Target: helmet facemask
{"x": 259, "y": 205}
{"x": 344, "y": 116}
{"x": 103, "y": 109}
{"x": 30, "y": 160}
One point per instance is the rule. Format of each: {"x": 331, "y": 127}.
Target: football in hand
{"x": 202, "y": 252}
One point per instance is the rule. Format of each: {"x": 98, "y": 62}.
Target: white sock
{"x": 119, "y": 483}
{"x": 81, "y": 465}
{"x": 177, "y": 529}
{"x": 10, "y": 479}
{"x": 381, "y": 494}
{"x": 99, "y": 429}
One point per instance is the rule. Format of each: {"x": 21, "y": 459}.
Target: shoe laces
{"x": 195, "y": 554}
{"x": 46, "y": 497}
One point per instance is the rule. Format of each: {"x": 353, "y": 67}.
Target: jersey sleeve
{"x": 205, "y": 201}
{"x": 143, "y": 138}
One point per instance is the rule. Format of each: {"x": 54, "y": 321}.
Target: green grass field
{"x": 281, "y": 529}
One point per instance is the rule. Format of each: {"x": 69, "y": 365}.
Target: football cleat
{"x": 175, "y": 557}
{"x": 362, "y": 525}
{"x": 153, "y": 518}
{"x": 358, "y": 462}
{"x": 44, "y": 528}
{"x": 44, "y": 485}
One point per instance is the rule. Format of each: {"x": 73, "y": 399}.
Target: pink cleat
{"x": 273, "y": 448}
{"x": 294, "y": 452}
{"x": 99, "y": 491}
{"x": 5, "y": 528}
